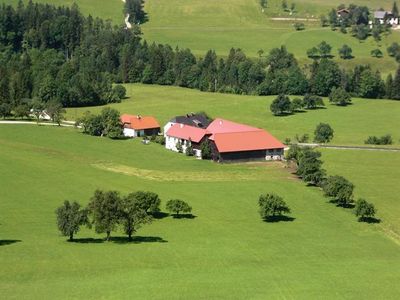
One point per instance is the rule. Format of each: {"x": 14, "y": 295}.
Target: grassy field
{"x": 225, "y": 252}
{"x": 206, "y": 24}
{"x": 376, "y": 175}
{"x": 105, "y": 9}
{"x": 352, "y": 124}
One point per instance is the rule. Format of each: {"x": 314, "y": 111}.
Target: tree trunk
{"x": 71, "y": 236}
{"x": 130, "y": 235}
{"x": 108, "y": 235}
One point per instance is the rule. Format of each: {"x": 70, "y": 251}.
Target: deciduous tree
{"x": 70, "y": 217}
{"x": 104, "y": 208}
{"x": 340, "y": 189}
{"x": 364, "y": 210}
{"x": 177, "y": 206}
{"x": 272, "y": 205}
{"x": 323, "y": 133}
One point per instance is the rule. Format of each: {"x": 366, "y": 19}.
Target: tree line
{"x": 338, "y": 189}
{"x": 108, "y": 211}
{"x": 56, "y": 54}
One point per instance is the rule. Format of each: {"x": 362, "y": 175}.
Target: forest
{"x": 57, "y": 54}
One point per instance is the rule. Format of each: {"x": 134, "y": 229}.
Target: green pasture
{"x": 352, "y": 124}
{"x": 220, "y": 25}
{"x": 375, "y": 175}
{"x": 225, "y": 252}
{"x": 105, "y": 9}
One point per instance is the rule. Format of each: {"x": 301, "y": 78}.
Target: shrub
{"x": 160, "y": 139}
{"x": 189, "y": 151}
{"x": 323, "y": 133}
{"x": 383, "y": 140}
{"x": 297, "y": 104}
{"x": 302, "y": 138}
{"x": 119, "y": 91}
{"x": 312, "y": 101}
{"x": 281, "y": 105}
{"x": 206, "y": 150}
{"x": 179, "y": 147}
{"x": 339, "y": 96}
{"x": 376, "y": 53}
{"x": 177, "y": 206}
{"x": 345, "y": 52}
{"x": 299, "y": 26}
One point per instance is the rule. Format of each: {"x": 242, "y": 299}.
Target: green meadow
{"x": 225, "y": 252}
{"x": 220, "y": 25}
{"x": 375, "y": 175}
{"x": 352, "y": 124}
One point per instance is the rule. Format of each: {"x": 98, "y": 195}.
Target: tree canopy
{"x": 70, "y": 217}
{"x": 272, "y": 205}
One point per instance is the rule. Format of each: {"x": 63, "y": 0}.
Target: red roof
{"x": 246, "y": 141}
{"x": 139, "y": 122}
{"x": 187, "y": 132}
{"x": 224, "y": 126}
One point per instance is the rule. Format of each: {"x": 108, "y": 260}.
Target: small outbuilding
{"x": 139, "y": 126}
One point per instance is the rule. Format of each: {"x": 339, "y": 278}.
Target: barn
{"x": 232, "y": 141}
{"x": 138, "y": 126}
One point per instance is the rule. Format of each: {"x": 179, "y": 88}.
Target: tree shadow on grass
{"x": 137, "y": 239}
{"x": 276, "y": 219}
{"x": 160, "y": 215}
{"x": 121, "y": 240}
{"x": 87, "y": 241}
{"x": 8, "y": 242}
{"x": 350, "y": 205}
{"x": 284, "y": 114}
{"x": 184, "y": 216}
{"x": 370, "y": 220}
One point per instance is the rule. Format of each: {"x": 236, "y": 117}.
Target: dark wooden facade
{"x": 151, "y": 131}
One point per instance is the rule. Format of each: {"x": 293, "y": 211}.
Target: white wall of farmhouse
{"x": 129, "y": 132}
{"x": 166, "y": 127}
{"x": 171, "y": 142}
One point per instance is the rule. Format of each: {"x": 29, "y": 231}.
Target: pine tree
{"x": 395, "y": 10}
{"x": 396, "y": 86}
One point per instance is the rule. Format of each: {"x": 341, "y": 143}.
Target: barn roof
{"x": 380, "y": 14}
{"x": 139, "y": 122}
{"x": 233, "y": 137}
{"x": 222, "y": 126}
{"x": 245, "y": 141}
{"x": 187, "y": 132}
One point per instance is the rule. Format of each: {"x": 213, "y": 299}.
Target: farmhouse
{"x": 385, "y": 17}
{"x": 136, "y": 126}
{"x": 229, "y": 141}
{"x": 342, "y": 13}
{"x": 185, "y": 136}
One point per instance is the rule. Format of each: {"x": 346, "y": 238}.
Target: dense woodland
{"x": 56, "y": 54}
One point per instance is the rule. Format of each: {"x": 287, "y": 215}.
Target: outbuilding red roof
{"x": 245, "y": 141}
{"x": 139, "y": 122}
{"x": 187, "y": 132}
